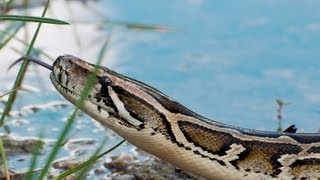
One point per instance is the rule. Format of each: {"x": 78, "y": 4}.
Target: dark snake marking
{"x": 257, "y": 157}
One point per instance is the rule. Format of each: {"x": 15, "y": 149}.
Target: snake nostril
{"x": 57, "y": 62}
{"x": 60, "y": 77}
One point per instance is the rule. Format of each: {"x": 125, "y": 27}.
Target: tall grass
{"x": 33, "y": 18}
{"x": 7, "y": 35}
{"x": 34, "y": 159}
{"x": 24, "y": 65}
{"x": 20, "y": 75}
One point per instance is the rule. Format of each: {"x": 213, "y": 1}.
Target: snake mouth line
{"x": 58, "y": 86}
{"x": 75, "y": 95}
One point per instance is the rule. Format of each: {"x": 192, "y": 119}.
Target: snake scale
{"x": 161, "y": 126}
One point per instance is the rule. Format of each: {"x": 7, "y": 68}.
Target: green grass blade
{"x": 13, "y": 94}
{"x": 131, "y": 26}
{"x": 84, "y": 170}
{"x": 88, "y": 162}
{"x": 16, "y": 29}
{"x": 34, "y": 158}
{"x": 22, "y": 71}
{"x": 2, "y": 95}
{"x": 4, "y": 159}
{"x": 149, "y": 28}
{"x": 101, "y": 55}
{"x": 64, "y": 132}
{"x": 59, "y": 142}
{"x": 13, "y": 26}
{"x": 104, "y": 47}
{"x": 137, "y": 26}
{"x": 32, "y": 19}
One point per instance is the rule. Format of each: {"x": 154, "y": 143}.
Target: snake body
{"x": 160, "y": 126}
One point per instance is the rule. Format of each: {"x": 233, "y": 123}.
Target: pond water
{"x": 231, "y": 60}
{"x": 227, "y": 60}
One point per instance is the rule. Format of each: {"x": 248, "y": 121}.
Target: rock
{"x": 126, "y": 167}
{"x": 119, "y": 163}
{"x": 67, "y": 163}
{"x": 14, "y": 145}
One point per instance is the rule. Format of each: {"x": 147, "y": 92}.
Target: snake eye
{"x": 105, "y": 81}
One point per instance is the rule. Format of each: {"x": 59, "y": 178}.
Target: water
{"x": 231, "y": 60}
{"x": 228, "y": 60}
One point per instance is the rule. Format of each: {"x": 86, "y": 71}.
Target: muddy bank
{"x": 121, "y": 167}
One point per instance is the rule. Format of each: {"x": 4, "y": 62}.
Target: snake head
{"x": 70, "y": 76}
{"x": 116, "y": 101}
{"x": 113, "y": 98}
